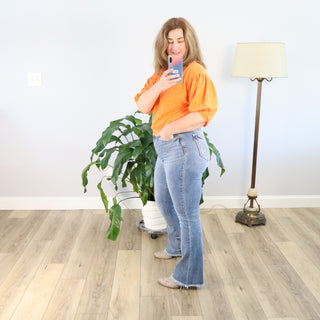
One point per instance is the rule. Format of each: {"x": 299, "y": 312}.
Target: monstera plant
{"x": 126, "y": 149}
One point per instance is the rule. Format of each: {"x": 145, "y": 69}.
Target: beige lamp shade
{"x": 260, "y": 60}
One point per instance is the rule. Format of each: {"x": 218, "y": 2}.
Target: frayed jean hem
{"x": 172, "y": 255}
{"x": 187, "y": 286}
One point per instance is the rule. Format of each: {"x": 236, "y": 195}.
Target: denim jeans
{"x": 178, "y": 180}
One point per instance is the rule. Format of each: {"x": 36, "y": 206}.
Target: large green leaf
{"x": 144, "y": 197}
{"x": 123, "y": 156}
{"x": 134, "y": 144}
{"x": 99, "y": 147}
{"x": 127, "y": 131}
{"x": 147, "y": 137}
{"x": 149, "y": 176}
{"x": 127, "y": 172}
{"x": 139, "y": 133}
{"x": 138, "y": 172}
{"x": 103, "y": 195}
{"x": 108, "y": 153}
{"x": 216, "y": 152}
{"x": 134, "y": 120}
{"x": 133, "y": 181}
{"x": 107, "y": 134}
{"x": 218, "y": 159}
{"x": 115, "y": 139}
{"x": 137, "y": 151}
{"x": 115, "y": 221}
{"x": 84, "y": 174}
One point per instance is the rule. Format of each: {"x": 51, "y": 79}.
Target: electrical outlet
{"x": 34, "y": 79}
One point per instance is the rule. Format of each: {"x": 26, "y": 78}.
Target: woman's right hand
{"x": 166, "y": 81}
{"x": 147, "y": 100}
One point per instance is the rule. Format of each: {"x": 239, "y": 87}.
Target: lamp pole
{"x": 251, "y": 215}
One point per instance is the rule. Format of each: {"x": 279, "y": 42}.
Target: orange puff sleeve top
{"x": 196, "y": 93}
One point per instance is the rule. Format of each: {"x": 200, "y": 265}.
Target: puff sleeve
{"x": 202, "y": 96}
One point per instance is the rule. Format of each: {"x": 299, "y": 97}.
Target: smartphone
{"x": 175, "y": 62}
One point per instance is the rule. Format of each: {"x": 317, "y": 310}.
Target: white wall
{"x": 95, "y": 55}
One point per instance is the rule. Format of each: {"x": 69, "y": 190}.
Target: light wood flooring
{"x": 59, "y": 265}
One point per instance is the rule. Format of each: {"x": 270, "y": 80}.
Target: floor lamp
{"x": 257, "y": 61}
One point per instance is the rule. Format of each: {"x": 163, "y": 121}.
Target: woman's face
{"x": 176, "y": 43}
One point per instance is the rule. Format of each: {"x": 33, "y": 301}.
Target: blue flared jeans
{"x": 178, "y": 181}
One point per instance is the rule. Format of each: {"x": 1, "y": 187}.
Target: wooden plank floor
{"x": 59, "y": 265}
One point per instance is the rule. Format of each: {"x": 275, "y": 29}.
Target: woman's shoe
{"x": 169, "y": 283}
{"x": 162, "y": 255}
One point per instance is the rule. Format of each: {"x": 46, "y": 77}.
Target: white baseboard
{"x": 264, "y": 201}
{"x": 79, "y": 203}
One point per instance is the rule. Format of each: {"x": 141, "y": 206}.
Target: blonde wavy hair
{"x": 193, "y": 52}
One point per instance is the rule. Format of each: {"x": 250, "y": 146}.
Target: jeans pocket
{"x": 168, "y": 149}
{"x": 202, "y": 146}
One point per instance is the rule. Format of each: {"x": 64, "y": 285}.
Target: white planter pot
{"x": 152, "y": 217}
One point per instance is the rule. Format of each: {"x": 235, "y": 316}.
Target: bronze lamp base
{"x": 250, "y": 215}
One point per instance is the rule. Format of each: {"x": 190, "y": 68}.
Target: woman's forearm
{"x": 189, "y": 122}
{"x": 147, "y": 100}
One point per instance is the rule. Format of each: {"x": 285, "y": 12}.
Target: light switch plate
{"x": 34, "y": 79}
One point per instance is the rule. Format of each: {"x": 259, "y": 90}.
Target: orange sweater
{"x": 196, "y": 93}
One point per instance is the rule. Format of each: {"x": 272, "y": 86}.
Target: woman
{"x": 180, "y": 110}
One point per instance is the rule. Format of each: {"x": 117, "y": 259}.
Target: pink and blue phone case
{"x": 175, "y": 62}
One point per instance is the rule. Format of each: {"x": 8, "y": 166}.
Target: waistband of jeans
{"x": 199, "y": 130}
